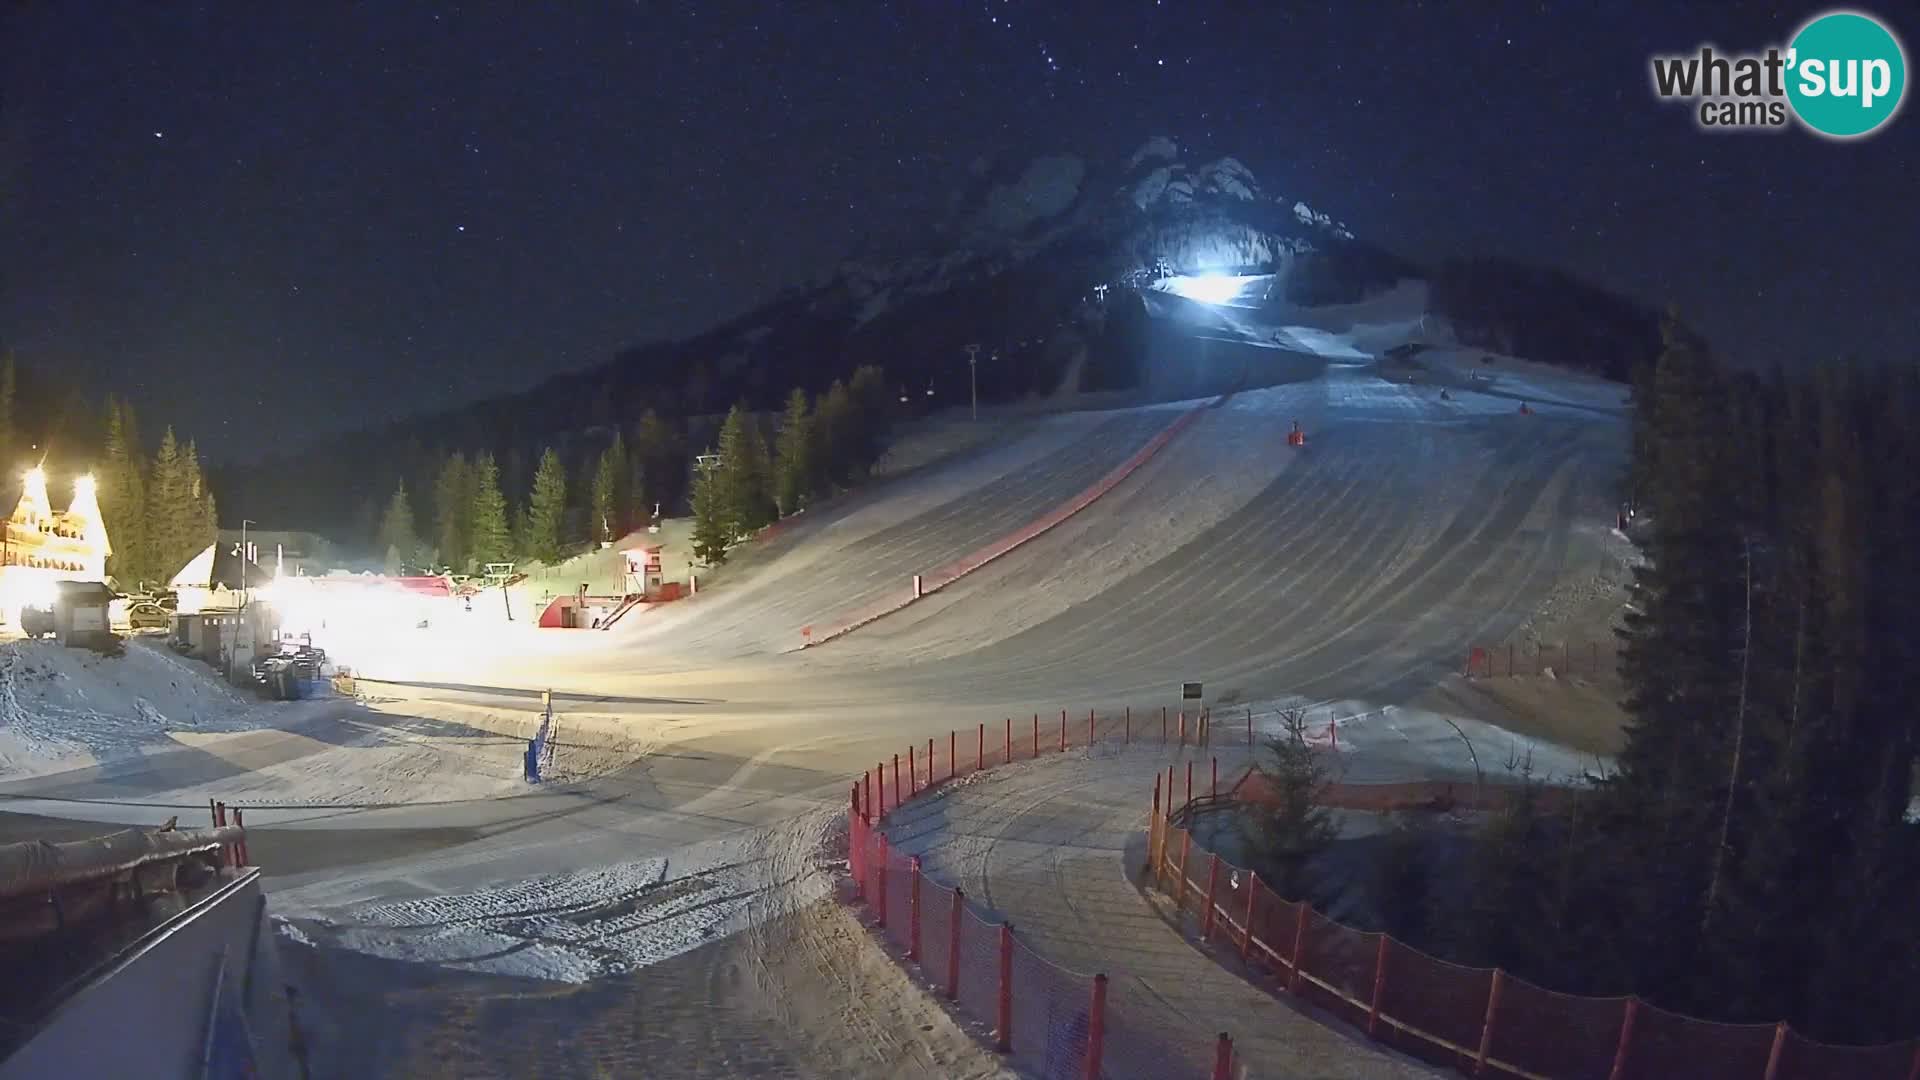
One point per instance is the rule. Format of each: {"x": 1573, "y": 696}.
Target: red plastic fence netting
{"x": 1448, "y": 1014}
{"x": 1338, "y": 965}
{"x": 1544, "y": 1033}
{"x": 1666, "y": 1044}
{"x": 1443, "y": 1004}
{"x": 1051, "y": 1019}
{"x": 1804, "y": 1059}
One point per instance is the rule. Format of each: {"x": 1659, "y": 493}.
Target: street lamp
{"x": 973, "y": 377}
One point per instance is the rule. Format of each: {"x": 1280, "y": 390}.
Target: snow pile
{"x": 64, "y": 708}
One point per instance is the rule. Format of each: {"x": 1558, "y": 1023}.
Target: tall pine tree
{"x": 546, "y": 510}
{"x": 612, "y": 492}
{"x": 398, "y": 538}
{"x": 453, "y": 510}
{"x": 491, "y": 540}
{"x": 794, "y": 464}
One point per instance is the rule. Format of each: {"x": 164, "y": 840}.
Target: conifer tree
{"x": 169, "y": 510}
{"x": 835, "y": 437}
{"x": 546, "y": 510}
{"x": 712, "y": 526}
{"x": 794, "y": 467}
{"x": 120, "y": 497}
{"x": 397, "y": 536}
{"x": 612, "y": 492}
{"x": 742, "y": 475}
{"x": 492, "y": 538}
{"x": 660, "y": 464}
{"x": 453, "y": 510}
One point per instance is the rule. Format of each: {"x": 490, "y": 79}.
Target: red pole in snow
{"x": 1009, "y": 741}
{"x": 1003, "y": 1037}
{"x": 1214, "y": 788}
{"x": 1089, "y": 727}
{"x": 896, "y": 781}
{"x": 1189, "y": 801}
{"x": 953, "y": 948}
{"x": 240, "y": 845}
{"x": 1223, "y": 1057}
{"x": 213, "y": 815}
{"x": 1096, "y": 1026}
{"x": 929, "y": 762}
{"x": 1163, "y": 725}
{"x": 868, "y": 801}
{"x": 1183, "y": 727}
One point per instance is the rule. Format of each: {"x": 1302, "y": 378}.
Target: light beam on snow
{"x": 1209, "y": 288}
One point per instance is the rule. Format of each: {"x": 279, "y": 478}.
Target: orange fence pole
{"x": 929, "y": 762}
{"x": 1096, "y": 1026}
{"x": 1626, "y": 1039}
{"x": 913, "y": 774}
{"x": 913, "y": 907}
{"x": 1183, "y": 727}
{"x": 1223, "y": 1057}
{"x": 953, "y": 754}
{"x": 1189, "y": 801}
{"x": 871, "y": 809}
{"x": 1003, "y": 1037}
{"x": 1773, "y": 1055}
{"x": 1486, "y": 1027}
{"x": 953, "y": 948}
{"x": 213, "y": 814}
{"x": 1213, "y": 889}
{"x": 240, "y": 846}
{"x": 1163, "y": 725}
{"x": 1379, "y": 988}
{"x": 1213, "y": 787}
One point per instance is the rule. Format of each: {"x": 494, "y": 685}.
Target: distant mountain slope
{"x": 1012, "y": 266}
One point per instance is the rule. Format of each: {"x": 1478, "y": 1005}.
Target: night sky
{"x": 264, "y": 224}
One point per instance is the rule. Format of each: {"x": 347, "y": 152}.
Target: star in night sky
{"x": 397, "y": 207}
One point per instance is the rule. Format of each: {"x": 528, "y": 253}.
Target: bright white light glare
{"x": 83, "y": 487}
{"x": 1208, "y": 288}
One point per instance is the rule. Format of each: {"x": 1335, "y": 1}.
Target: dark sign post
{"x": 1189, "y": 691}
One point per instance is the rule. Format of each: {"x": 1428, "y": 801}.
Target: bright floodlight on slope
{"x": 1208, "y": 288}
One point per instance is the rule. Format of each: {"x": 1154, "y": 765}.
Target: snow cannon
{"x": 1296, "y": 437}
{"x": 1526, "y": 409}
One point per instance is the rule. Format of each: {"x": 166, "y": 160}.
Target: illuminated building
{"x": 42, "y": 546}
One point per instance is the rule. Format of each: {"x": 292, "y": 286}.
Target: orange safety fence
{"x": 1482, "y": 1021}
{"x": 1049, "y": 1019}
{"x": 1591, "y": 658}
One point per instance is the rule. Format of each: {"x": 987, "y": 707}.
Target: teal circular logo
{"x": 1846, "y": 74}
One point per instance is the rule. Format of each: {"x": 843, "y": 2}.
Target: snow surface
{"x": 63, "y": 708}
